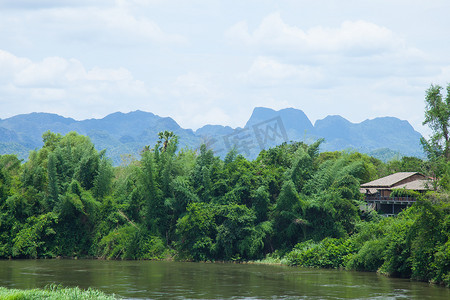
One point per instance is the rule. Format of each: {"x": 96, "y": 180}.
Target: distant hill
{"x": 370, "y": 135}
{"x": 127, "y": 133}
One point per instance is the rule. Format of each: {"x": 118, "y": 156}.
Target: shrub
{"x": 405, "y": 193}
{"x": 329, "y": 253}
{"x": 369, "y": 257}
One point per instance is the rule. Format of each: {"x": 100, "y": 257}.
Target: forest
{"x": 293, "y": 204}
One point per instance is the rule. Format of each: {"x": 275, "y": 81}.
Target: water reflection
{"x": 176, "y": 280}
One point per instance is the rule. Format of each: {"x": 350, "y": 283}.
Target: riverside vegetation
{"x": 290, "y": 204}
{"x": 54, "y": 292}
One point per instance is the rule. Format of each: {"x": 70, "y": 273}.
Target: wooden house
{"x": 378, "y": 192}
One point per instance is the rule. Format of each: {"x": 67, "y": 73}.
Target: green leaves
{"x": 197, "y": 230}
{"x": 34, "y": 238}
{"x": 329, "y": 253}
{"x": 288, "y": 216}
{"x": 437, "y": 117}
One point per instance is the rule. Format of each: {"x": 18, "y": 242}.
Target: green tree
{"x": 53, "y": 188}
{"x": 35, "y": 238}
{"x": 428, "y": 234}
{"x": 437, "y": 117}
{"x": 289, "y": 221}
{"x": 197, "y": 231}
{"x": 201, "y": 174}
{"x": 9, "y": 166}
{"x": 236, "y": 235}
{"x": 154, "y": 212}
{"x": 260, "y": 202}
{"x": 165, "y": 138}
{"x": 103, "y": 179}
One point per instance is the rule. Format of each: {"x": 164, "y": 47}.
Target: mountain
{"x": 127, "y": 133}
{"x": 210, "y": 130}
{"x": 293, "y": 119}
{"x": 119, "y": 133}
{"x": 369, "y": 135}
{"x": 385, "y": 137}
{"x": 295, "y": 123}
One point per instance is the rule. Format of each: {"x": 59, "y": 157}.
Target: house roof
{"x": 389, "y": 181}
{"x": 417, "y": 185}
{"x": 369, "y": 191}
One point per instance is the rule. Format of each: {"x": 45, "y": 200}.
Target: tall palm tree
{"x": 165, "y": 137}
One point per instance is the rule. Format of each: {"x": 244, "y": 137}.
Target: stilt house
{"x": 378, "y": 192}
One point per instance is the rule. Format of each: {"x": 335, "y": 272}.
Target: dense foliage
{"x": 68, "y": 200}
{"x": 413, "y": 245}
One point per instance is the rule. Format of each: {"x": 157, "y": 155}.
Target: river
{"x": 182, "y": 280}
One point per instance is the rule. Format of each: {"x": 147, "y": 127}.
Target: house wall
{"x": 385, "y": 193}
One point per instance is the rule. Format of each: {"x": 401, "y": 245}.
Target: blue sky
{"x": 213, "y": 61}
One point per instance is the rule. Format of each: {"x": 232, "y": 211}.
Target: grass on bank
{"x": 53, "y": 292}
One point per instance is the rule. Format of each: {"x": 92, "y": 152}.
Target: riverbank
{"x": 54, "y": 292}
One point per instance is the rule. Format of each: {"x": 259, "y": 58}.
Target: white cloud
{"x": 323, "y": 57}
{"x": 9, "y": 64}
{"x": 57, "y": 72}
{"x": 192, "y": 99}
{"x": 267, "y": 71}
{"x": 137, "y": 3}
{"x": 198, "y": 85}
{"x": 100, "y": 74}
{"x": 52, "y": 71}
{"x": 122, "y": 21}
{"x": 354, "y": 53}
{"x": 353, "y": 38}
{"x": 443, "y": 78}
{"x": 47, "y": 94}
{"x": 58, "y": 83}
{"x": 212, "y": 115}
{"x": 239, "y": 33}
{"x": 45, "y": 4}
{"x": 93, "y": 22}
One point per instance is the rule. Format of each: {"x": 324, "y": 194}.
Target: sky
{"x": 212, "y": 61}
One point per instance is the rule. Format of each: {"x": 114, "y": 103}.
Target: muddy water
{"x": 178, "y": 280}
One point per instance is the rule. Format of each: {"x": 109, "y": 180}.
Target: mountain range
{"x": 124, "y": 134}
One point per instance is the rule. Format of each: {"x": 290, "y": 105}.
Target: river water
{"x": 180, "y": 280}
